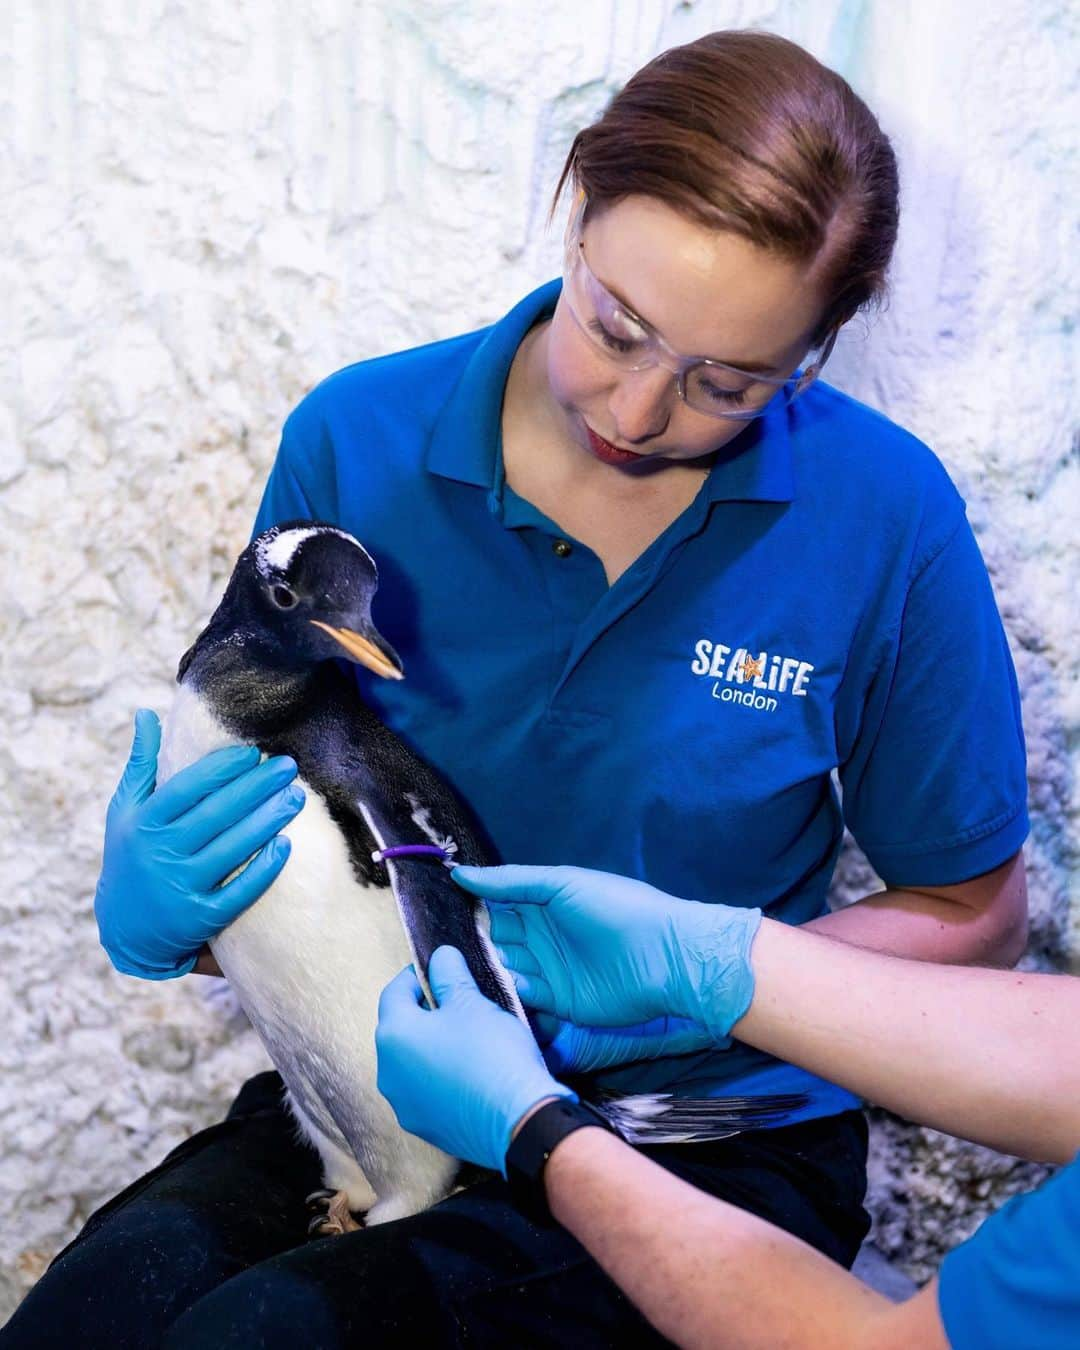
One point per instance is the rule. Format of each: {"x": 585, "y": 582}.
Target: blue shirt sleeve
{"x": 301, "y": 483}
{"x": 935, "y": 788}
{"x": 1017, "y": 1281}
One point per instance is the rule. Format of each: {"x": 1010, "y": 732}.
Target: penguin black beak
{"x": 383, "y": 661}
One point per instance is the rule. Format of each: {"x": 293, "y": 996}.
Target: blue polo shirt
{"x": 1016, "y": 1283}
{"x": 821, "y": 605}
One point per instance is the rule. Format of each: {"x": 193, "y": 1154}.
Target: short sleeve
{"x": 301, "y": 484}
{"x": 1017, "y": 1281}
{"x": 934, "y": 790}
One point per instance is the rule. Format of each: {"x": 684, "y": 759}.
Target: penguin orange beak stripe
{"x": 360, "y": 649}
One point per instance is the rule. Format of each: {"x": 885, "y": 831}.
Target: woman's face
{"x": 706, "y": 293}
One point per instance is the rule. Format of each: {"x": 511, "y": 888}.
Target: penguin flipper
{"x": 434, "y": 911}
{"x": 660, "y": 1118}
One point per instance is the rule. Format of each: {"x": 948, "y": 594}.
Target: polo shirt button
{"x": 562, "y": 548}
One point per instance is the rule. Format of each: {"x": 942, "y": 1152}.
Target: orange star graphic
{"x": 752, "y": 668}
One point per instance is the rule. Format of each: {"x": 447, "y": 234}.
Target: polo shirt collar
{"x": 465, "y": 441}
{"x": 467, "y": 436}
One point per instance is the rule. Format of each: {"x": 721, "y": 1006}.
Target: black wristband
{"x": 532, "y": 1146}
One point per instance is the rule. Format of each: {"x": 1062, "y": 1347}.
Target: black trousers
{"x": 209, "y": 1249}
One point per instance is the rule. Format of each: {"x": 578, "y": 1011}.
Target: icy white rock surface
{"x": 212, "y": 210}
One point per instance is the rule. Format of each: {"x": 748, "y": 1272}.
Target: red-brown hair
{"x": 747, "y": 132}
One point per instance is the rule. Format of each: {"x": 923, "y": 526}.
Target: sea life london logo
{"x": 752, "y": 679}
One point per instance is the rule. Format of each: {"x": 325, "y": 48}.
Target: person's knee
{"x": 124, "y": 1283}
{"x": 381, "y": 1287}
{"x": 263, "y": 1308}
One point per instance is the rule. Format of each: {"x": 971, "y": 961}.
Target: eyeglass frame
{"x": 656, "y": 347}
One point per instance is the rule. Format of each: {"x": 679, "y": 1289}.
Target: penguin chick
{"x": 309, "y": 959}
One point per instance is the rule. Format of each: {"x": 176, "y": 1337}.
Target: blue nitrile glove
{"x": 158, "y": 897}
{"x": 570, "y": 1049}
{"x": 460, "y": 1075}
{"x": 600, "y": 950}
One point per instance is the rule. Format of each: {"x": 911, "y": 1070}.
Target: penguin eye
{"x": 283, "y": 597}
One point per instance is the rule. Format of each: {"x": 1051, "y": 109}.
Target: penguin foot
{"x": 332, "y": 1215}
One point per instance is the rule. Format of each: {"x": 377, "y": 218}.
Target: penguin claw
{"x": 322, "y": 1226}
{"x": 335, "y": 1217}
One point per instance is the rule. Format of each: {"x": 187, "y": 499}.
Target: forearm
{"x": 986, "y": 1054}
{"x": 704, "y": 1272}
{"x": 982, "y": 921}
{"x": 927, "y": 928}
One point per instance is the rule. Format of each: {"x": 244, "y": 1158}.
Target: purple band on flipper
{"x": 411, "y": 850}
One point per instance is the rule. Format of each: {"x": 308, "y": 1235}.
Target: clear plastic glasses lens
{"x": 708, "y": 387}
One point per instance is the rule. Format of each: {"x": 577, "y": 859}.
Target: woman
{"x": 652, "y": 583}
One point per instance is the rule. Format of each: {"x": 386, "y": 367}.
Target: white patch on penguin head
{"x": 276, "y": 548}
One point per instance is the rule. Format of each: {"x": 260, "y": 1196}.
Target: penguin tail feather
{"x": 660, "y": 1118}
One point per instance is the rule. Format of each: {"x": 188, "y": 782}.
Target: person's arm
{"x": 708, "y": 1274}
{"x": 982, "y": 921}
{"x": 982, "y": 1053}
{"x": 932, "y": 766}
{"x": 704, "y": 1272}
{"x": 986, "y": 1054}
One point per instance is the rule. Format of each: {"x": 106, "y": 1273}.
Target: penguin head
{"x": 301, "y": 593}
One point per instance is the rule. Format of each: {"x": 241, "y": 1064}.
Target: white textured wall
{"x": 210, "y": 211}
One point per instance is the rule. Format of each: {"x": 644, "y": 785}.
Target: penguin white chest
{"x": 309, "y": 958}
{"x": 308, "y": 961}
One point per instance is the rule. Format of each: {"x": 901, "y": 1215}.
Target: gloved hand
{"x": 158, "y": 898}
{"x": 570, "y": 1049}
{"x": 460, "y": 1075}
{"x": 602, "y": 950}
